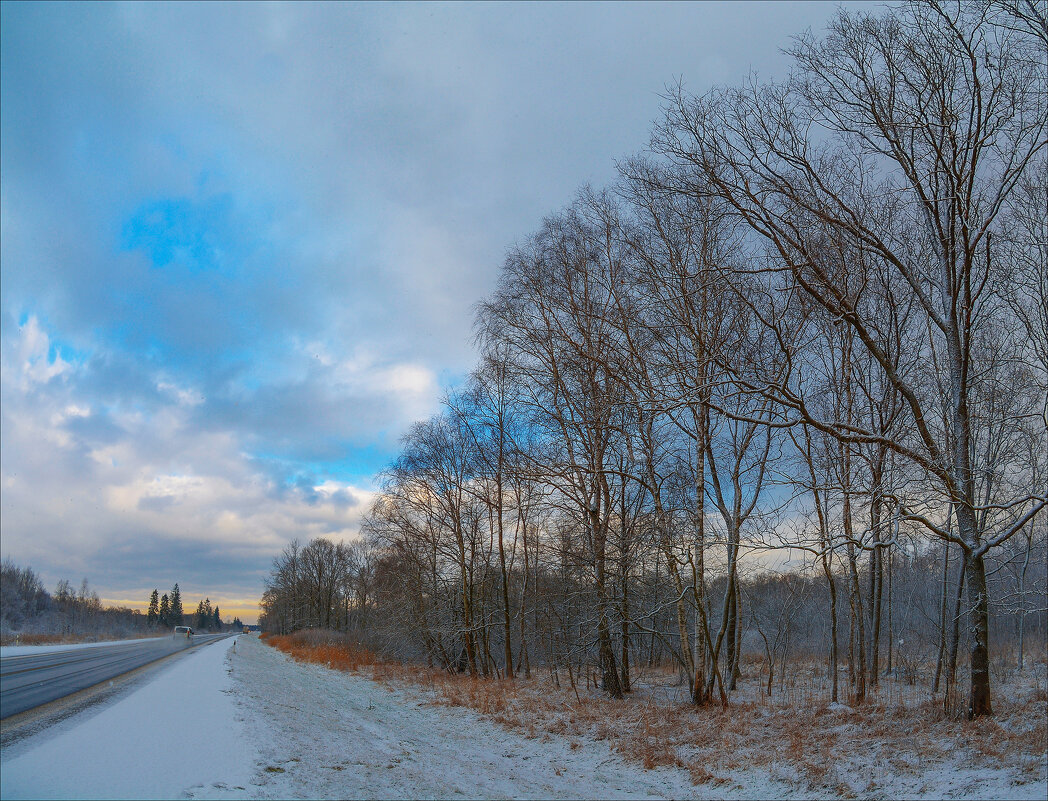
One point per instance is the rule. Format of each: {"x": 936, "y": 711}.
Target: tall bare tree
{"x": 905, "y": 135}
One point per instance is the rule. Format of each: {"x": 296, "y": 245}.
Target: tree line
{"x": 166, "y": 611}
{"x": 785, "y": 379}
{"x": 26, "y": 607}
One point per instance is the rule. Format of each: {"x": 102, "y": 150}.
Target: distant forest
{"x": 30, "y": 613}
{"x": 774, "y": 403}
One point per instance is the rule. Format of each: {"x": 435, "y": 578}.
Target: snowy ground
{"x": 248, "y": 722}
{"x": 336, "y": 735}
{"x": 174, "y": 736}
{"x": 17, "y": 650}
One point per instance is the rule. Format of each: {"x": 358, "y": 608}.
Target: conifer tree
{"x": 176, "y": 606}
{"x": 153, "y": 615}
{"x": 201, "y": 618}
{"x": 217, "y": 620}
{"x": 164, "y": 613}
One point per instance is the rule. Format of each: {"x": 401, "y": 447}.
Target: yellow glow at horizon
{"x": 244, "y": 608}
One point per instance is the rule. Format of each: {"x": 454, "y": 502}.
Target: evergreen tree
{"x": 237, "y": 625}
{"x": 164, "y": 613}
{"x": 217, "y": 620}
{"x": 203, "y": 615}
{"x": 176, "y": 606}
{"x": 153, "y": 615}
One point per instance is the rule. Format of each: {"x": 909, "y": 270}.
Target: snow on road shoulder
{"x": 175, "y": 736}
{"x": 22, "y": 650}
{"x": 327, "y": 734}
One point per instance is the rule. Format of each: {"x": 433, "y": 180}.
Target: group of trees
{"x": 321, "y": 585}
{"x": 165, "y": 611}
{"x": 785, "y": 381}
{"x": 207, "y": 619}
{"x": 27, "y": 608}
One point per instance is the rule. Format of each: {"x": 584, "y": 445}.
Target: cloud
{"x": 242, "y": 245}
{"x": 33, "y": 361}
{"x": 138, "y": 493}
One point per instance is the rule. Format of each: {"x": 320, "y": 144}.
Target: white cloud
{"x": 378, "y": 160}
{"x": 184, "y": 396}
{"x": 134, "y": 497}
{"x": 30, "y": 363}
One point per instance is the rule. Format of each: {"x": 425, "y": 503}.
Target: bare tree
{"x": 904, "y": 135}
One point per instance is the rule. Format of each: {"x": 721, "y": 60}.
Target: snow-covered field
{"x": 245, "y": 721}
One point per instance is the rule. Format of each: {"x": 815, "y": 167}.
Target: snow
{"x": 326, "y": 734}
{"x": 21, "y": 650}
{"x": 238, "y": 719}
{"x": 175, "y": 736}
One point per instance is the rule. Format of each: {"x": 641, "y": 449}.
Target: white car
{"x": 183, "y": 632}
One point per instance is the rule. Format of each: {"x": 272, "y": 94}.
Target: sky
{"x": 241, "y": 245}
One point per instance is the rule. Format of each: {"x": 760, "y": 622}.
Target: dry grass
{"x": 38, "y": 639}
{"x": 814, "y": 740}
{"x": 68, "y": 639}
{"x": 333, "y": 650}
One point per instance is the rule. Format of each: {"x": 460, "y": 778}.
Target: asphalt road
{"x": 29, "y": 680}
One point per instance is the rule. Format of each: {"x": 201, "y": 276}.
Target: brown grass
{"x": 68, "y": 639}
{"x": 813, "y": 738}
{"x": 326, "y": 648}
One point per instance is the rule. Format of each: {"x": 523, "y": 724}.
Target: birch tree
{"x": 905, "y": 135}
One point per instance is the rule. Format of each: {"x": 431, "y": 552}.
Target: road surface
{"x": 29, "y": 680}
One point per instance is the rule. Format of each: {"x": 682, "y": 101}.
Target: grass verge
{"x": 818, "y": 746}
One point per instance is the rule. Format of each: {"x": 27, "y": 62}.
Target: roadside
{"x": 241, "y": 719}
{"x": 815, "y": 750}
{"x": 175, "y": 736}
{"x": 328, "y": 734}
{"x": 69, "y": 645}
{"x": 20, "y": 643}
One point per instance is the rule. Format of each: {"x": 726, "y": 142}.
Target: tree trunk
{"x": 702, "y": 683}
{"x": 891, "y": 626}
{"x": 737, "y": 670}
{"x": 979, "y": 625}
{"x": 833, "y": 621}
{"x": 609, "y": 673}
{"x": 856, "y": 649}
{"x": 733, "y": 623}
{"x": 876, "y": 586}
{"x": 524, "y": 588}
{"x": 467, "y": 612}
{"x": 506, "y": 621}
{"x": 955, "y": 634}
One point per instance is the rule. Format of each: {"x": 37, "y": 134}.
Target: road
{"x": 29, "y": 680}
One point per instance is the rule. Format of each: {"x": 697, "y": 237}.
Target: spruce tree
{"x": 164, "y": 613}
{"x": 201, "y": 618}
{"x": 153, "y": 615}
{"x": 218, "y": 620}
{"x": 176, "y": 606}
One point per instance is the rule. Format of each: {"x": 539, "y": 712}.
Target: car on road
{"x": 183, "y": 632}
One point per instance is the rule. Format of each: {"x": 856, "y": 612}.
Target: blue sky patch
{"x": 197, "y": 236}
